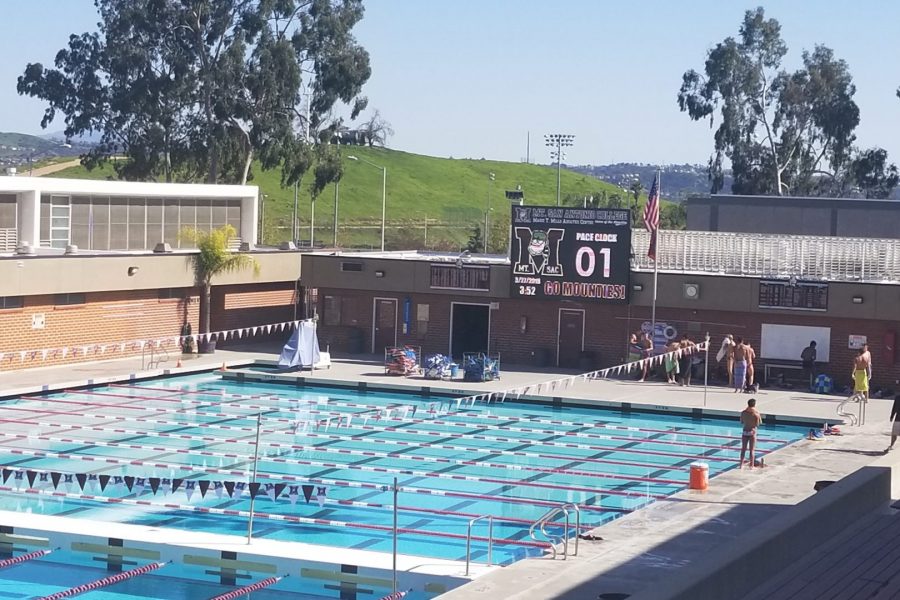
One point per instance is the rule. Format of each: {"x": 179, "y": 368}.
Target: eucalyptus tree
{"x": 780, "y": 131}
{"x": 199, "y": 88}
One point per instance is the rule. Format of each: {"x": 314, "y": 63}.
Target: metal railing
{"x": 762, "y": 255}
{"x": 562, "y": 509}
{"x": 157, "y": 356}
{"x": 9, "y": 239}
{"x": 490, "y": 559}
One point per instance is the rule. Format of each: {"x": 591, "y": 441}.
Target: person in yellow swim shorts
{"x": 861, "y": 374}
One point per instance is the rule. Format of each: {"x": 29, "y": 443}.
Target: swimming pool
{"x": 178, "y": 453}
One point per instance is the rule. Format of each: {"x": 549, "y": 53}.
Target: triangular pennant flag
{"x": 81, "y": 478}
{"x": 279, "y": 488}
{"x": 118, "y": 482}
{"x": 189, "y": 487}
{"x": 217, "y": 487}
{"x": 44, "y": 354}
{"x": 55, "y": 477}
{"x": 294, "y": 493}
{"x": 166, "y": 485}
{"x": 6, "y": 474}
{"x": 68, "y": 480}
{"x": 204, "y": 486}
{"x": 18, "y": 478}
{"x": 139, "y": 484}
{"x": 320, "y": 496}
{"x": 129, "y": 482}
{"x": 270, "y": 491}
{"x": 104, "y": 481}
{"x": 254, "y": 489}
{"x": 44, "y": 479}
{"x": 176, "y": 483}
{"x": 308, "y": 491}
{"x": 154, "y": 484}
{"x": 31, "y": 475}
{"x": 229, "y": 488}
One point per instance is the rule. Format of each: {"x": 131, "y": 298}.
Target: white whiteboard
{"x": 786, "y": 342}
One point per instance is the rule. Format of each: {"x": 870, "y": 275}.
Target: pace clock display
{"x": 571, "y": 253}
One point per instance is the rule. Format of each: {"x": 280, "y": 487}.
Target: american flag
{"x": 651, "y": 216}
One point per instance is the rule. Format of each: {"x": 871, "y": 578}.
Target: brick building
{"x": 777, "y": 292}
{"x": 87, "y": 265}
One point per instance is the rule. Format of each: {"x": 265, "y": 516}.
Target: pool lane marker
{"x": 94, "y": 585}
{"x": 23, "y": 558}
{"x": 463, "y": 414}
{"x": 429, "y": 474}
{"x": 271, "y": 516}
{"x": 404, "y": 429}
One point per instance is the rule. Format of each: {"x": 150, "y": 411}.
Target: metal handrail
{"x": 547, "y": 518}
{"x": 161, "y": 355}
{"x": 472, "y": 522}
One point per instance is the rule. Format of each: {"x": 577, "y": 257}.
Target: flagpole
{"x": 655, "y": 268}
{"x": 253, "y": 480}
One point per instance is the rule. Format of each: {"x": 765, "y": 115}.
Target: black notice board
{"x": 571, "y": 253}
{"x": 800, "y": 295}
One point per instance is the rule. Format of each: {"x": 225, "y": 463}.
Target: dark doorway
{"x": 470, "y": 326}
{"x": 384, "y": 324}
{"x": 571, "y": 337}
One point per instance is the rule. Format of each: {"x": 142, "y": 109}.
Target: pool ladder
{"x": 490, "y": 560}
{"x": 156, "y": 355}
{"x": 541, "y": 524}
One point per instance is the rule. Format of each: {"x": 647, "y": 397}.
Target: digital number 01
{"x": 587, "y": 251}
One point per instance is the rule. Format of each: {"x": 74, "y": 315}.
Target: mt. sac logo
{"x": 538, "y": 252}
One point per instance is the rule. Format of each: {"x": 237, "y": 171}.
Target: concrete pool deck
{"x": 642, "y": 549}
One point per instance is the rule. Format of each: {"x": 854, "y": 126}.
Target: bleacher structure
{"x": 811, "y": 258}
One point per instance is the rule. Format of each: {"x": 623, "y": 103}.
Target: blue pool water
{"x": 512, "y": 461}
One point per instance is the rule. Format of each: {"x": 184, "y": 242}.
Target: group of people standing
{"x": 678, "y": 368}
{"x": 739, "y": 356}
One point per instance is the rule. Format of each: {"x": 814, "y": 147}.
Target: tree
{"x": 376, "y": 130}
{"x": 476, "y": 240}
{"x": 780, "y": 131}
{"x": 213, "y": 258}
{"x": 200, "y": 87}
{"x": 636, "y": 190}
{"x": 872, "y": 175}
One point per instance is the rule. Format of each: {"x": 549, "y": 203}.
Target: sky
{"x": 473, "y": 78}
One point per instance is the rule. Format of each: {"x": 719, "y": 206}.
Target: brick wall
{"x": 235, "y": 307}
{"x": 606, "y": 329}
{"x": 104, "y": 318}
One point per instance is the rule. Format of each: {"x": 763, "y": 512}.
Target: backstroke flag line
{"x": 651, "y": 216}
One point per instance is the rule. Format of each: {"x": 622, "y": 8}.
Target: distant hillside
{"x": 677, "y": 181}
{"x": 21, "y": 149}
{"x": 443, "y": 198}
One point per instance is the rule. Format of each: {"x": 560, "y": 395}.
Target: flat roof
{"x": 17, "y": 183}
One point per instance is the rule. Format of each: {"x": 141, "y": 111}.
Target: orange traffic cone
{"x": 178, "y": 364}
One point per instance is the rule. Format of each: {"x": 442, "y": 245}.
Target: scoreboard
{"x": 571, "y": 253}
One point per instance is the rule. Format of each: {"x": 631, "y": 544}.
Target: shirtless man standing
{"x": 750, "y": 420}
{"x": 861, "y": 366}
{"x": 740, "y": 364}
{"x": 751, "y": 371}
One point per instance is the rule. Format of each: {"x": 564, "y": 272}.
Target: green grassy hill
{"x": 450, "y": 195}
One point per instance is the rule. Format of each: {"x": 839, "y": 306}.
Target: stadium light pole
{"x": 383, "y": 191}
{"x": 558, "y": 141}
{"x": 487, "y": 213}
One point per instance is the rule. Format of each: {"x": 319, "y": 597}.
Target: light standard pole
{"x": 337, "y": 187}
{"x": 383, "y": 191}
{"x": 487, "y": 214}
{"x": 558, "y": 141}
{"x": 262, "y": 219}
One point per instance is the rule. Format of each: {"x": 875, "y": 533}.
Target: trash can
{"x": 699, "y": 476}
{"x": 454, "y": 370}
{"x": 355, "y": 341}
{"x": 541, "y": 357}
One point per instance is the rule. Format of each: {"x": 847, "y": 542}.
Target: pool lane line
{"x": 477, "y": 415}
{"x": 245, "y": 590}
{"x": 328, "y": 423}
{"x": 270, "y": 516}
{"x": 622, "y": 449}
{"x": 512, "y": 482}
{"x": 403, "y": 455}
{"x": 15, "y": 560}
{"x": 478, "y": 463}
{"x": 466, "y": 413}
{"x": 106, "y": 581}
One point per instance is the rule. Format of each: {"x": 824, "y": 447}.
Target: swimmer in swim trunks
{"x": 740, "y": 364}
{"x": 750, "y": 420}
{"x": 860, "y": 374}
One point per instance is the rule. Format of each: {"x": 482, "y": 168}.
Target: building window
{"x": 332, "y": 310}
{"x": 355, "y": 267}
{"x": 451, "y": 277}
{"x": 12, "y": 302}
{"x": 68, "y": 299}
{"x": 171, "y": 294}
